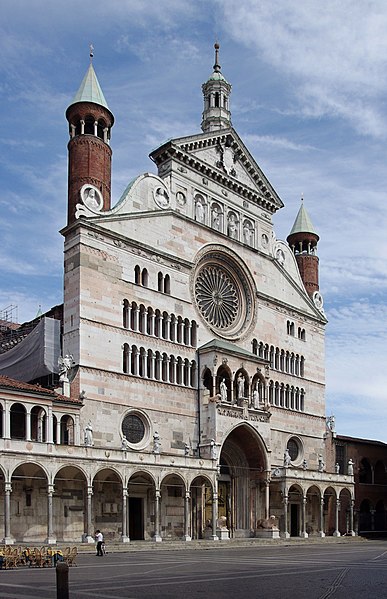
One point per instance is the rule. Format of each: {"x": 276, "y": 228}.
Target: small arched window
{"x": 144, "y": 277}
{"x": 160, "y": 282}
{"x": 167, "y": 284}
{"x": 89, "y": 125}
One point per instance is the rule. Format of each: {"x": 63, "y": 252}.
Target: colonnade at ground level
{"x": 69, "y": 505}
{"x": 317, "y": 511}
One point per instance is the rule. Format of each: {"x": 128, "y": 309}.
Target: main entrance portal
{"x": 243, "y": 486}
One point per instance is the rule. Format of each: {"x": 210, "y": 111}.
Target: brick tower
{"x": 303, "y": 241}
{"x": 90, "y": 155}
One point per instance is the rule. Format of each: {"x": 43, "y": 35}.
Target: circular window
{"x": 133, "y": 428}
{"x": 224, "y": 292}
{"x": 217, "y": 297}
{"x": 294, "y": 449}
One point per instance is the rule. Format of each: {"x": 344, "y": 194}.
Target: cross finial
{"x": 216, "y": 65}
{"x": 91, "y": 52}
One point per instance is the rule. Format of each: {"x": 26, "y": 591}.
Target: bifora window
{"x": 133, "y": 428}
{"x": 293, "y": 449}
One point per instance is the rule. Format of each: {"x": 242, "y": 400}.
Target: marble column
{"x": 267, "y": 499}
{"x": 157, "y": 536}
{"x": 152, "y": 318}
{"x": 286, "y": 525}
{"x": 51, "y": 539}
{"x": 136, "y": 319}
{"x": 58, "y": 439}
{"x": 336, "y": 532}
{"x": 6, "y": 421}
{"x": 214, "y": 516}
{"x": 8, "y": 540}
{"x": 125, "y": 536}
{"x": 351, "y": 531}
{"x": 372, "y": 512}
{"x": 187, "y": 536}
{"x": 321, "y": 531}
{"x": 49, "y": 427}
{"x": 304, "y": 534}
{"x": 28, "y": 425}
{"x": 77, "y": 430}
{"x": 88, "y": 536}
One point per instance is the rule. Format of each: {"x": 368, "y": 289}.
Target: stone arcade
{"x": 192, "y": 402}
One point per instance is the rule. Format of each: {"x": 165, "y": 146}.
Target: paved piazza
{"x": 302, "y": 571}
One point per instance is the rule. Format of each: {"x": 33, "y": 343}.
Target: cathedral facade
{"x": 193, "y": 352}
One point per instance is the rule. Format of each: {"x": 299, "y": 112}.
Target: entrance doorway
{"x": 294, "y": 520}
{"x": 241, "y": 492}
{"x": 136, "y": 519}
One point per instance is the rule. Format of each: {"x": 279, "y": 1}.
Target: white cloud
{"x": 334, "y": 55}
{"x": 278, "y": 142}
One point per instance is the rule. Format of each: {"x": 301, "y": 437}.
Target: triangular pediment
{"x": 224, "y": 155}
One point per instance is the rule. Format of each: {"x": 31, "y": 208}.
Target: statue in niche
{"x": 88, "y": 439}
{"x": 241, "y": 386}
{"x": 350, "y": 467}
{"x": 321, "y": 463}
{"x": 337, "y": 468}
{"x": 199, "y": 210}
{"x": 247, "y": 233}
{"x": 156, "y": 443}
{"x": 232, "y": 226}
{"x": 213, "y": 450}
{"x": 223, "y": 390}
{"x": 287, "y": 458}
{"x": 215, "y": 218}
{"x": 256, "y": 397}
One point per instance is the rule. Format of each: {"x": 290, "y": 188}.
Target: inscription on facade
{"x": 241, "y": 415}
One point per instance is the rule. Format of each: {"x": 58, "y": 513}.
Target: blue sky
{"x": 309, "y": 99}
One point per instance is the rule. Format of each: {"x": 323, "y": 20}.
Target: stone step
{"x": 176, "y": 545}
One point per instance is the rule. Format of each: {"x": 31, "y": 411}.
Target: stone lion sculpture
{"x": 222, "y": 522}
{"x": 268, "y": 523}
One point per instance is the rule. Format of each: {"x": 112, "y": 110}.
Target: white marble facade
{"x": 200, "y": 359}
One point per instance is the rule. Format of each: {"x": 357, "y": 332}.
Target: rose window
{"x": 217, "y": 297}
{"x": 223, "y": 292}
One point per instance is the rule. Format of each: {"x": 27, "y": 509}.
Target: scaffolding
{"x": 8, "y": 317}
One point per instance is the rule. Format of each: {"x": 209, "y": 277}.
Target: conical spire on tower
{"x": 216, "y": 92}
{"x": 303, "y": 242}
{"x": 90, "y": 89}
{"x": 303, "y": 223}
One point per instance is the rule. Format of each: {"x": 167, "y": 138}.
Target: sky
{"x": 309, "y": 99}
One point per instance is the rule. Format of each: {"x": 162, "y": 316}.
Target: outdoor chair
{"x": 70, "y": 559}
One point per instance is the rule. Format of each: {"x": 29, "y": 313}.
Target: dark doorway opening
{"x": 294, "y": 520}
{"x": 136, "y": 519}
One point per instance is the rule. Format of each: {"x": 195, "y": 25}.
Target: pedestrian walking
{"x": 99, "y": 541}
